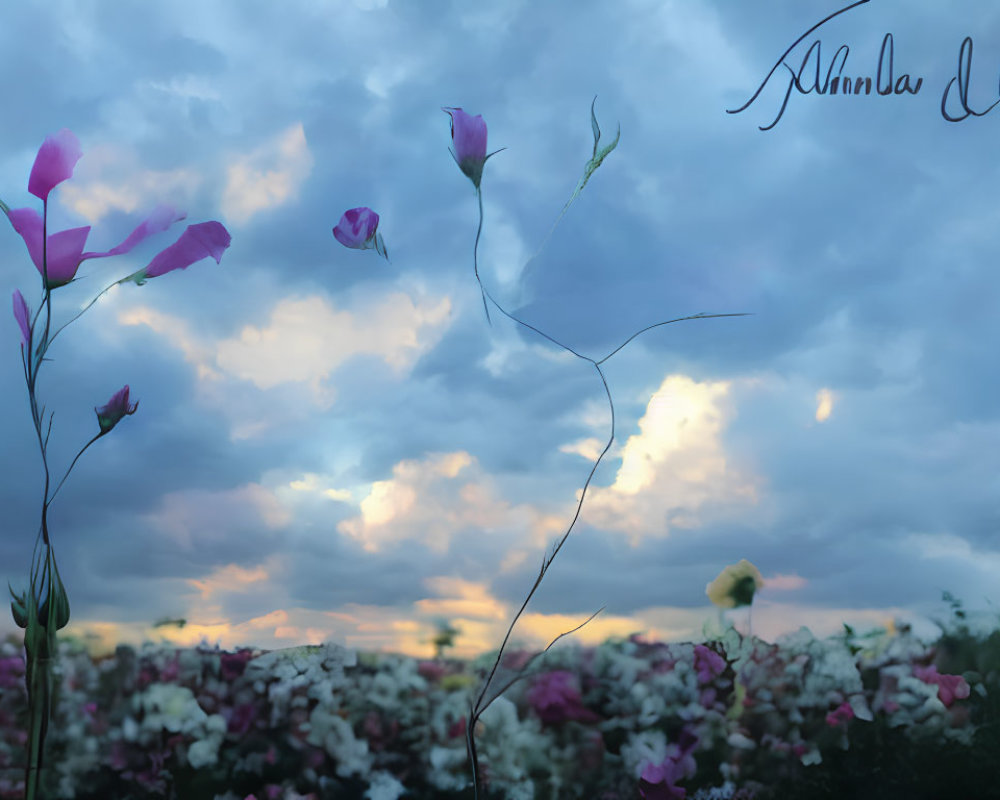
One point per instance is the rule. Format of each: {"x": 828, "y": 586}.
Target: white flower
{"x": 384, "y": 787}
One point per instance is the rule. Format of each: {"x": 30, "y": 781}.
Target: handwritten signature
{"x": 809, "y": 77}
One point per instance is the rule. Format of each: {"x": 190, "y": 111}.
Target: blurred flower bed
{"x": 880, "y": 715}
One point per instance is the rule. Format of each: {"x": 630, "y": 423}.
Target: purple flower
{"x": 58, "y": 256}
{"x": 234, "y": 664}
{"x": 54, "y": 163}
{"x": 64, "y": 253}
{"x": 117, "y": 407}
{"x": 468, "y": 135}
{"x": 657, "y": 781}
{"x": 707, "y": 663}
{"x": 21, "y": 315}
{"x": 555, "y": 696}
{"x": 358, "y": 229}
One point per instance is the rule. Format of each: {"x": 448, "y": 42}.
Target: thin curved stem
{"x": 84, "y": 310}
{"x": 73, "y": 464}
{"x": 482, "y": 703}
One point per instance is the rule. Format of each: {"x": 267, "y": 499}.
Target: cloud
{"x": 393, "y": 328}
{"x": 193, "y": 517}
{"x": 784, "y": 583}
{"x": 824, "y": 405}
{"x": 178, "y": 333}
{"x": 460, "y": 598}
{"x": 269, "y": 176}
{"x": 230, "y": 578}
{"x": 110, "y": 178}
{"x": 674, "y": 471}
{"x": 436, "y": 499}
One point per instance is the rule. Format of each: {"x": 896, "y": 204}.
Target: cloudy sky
{"x": 332, "y": 446}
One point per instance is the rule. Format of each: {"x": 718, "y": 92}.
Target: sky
{"x": 332, "y": 446}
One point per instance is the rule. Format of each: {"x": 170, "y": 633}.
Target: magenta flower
{"x": 117, "y": 407}
{"x": 64, "y": 253}
{"x": 707, "y": 663}
{"x": 657, "y": 781}
{"x": 204, "y": 240}
{"x": 468, "y": 135}
{"x": 555, "y": 697}
{"x": 54, "y": 163}
{"x": 841, "y": 713}
{"x": 950, "y": 687}
{"x": 58, "y": 256}
{"x": 21, "y": 315}
{"x": 358, "y": 229}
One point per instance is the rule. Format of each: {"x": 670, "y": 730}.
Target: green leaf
{"x": 19, "y": 607}
{"x": 598, "y": 158}
{"x": 593, "y": 124}
{"x": 60, "y": 602}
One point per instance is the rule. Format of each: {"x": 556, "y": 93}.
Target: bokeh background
{"x": 330, "y": 446}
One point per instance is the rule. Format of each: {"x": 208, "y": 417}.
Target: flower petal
{"x": 65, "y": 248}
{"x": 197, "y": 242}
{"x": 54, "y": 163}
{"x": 21, "y": 315}
{"x": 161, "y": 218}
{"x": 65, "y": 252}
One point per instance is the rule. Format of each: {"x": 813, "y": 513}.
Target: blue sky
{"x": 330, "y": 446}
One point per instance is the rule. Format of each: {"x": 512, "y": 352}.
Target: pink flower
{"x": 841, "y": 713}
{"x": 117, "y": 407}
{"x": 54, "y": 163}
{"x": 21, "y": 315}
{"x": 950, "y": 687}
{"x": 358, "y": 229}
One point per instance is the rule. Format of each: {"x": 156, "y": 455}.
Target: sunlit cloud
{"x": 268, "y": 177}
{"x": 177, "y": 332}
{"x": 824, "y": 405}
{"x": 435, "y": 499}
{"x": 541, "y": 629}
{"x": 674, "y": 471}
{"x": 230, "y": 578}
{"x": 460, "y": 598}
{"x": 393, "y": 328}
{"x": 110, "y": 178}
{"x": 784, "y": 583}
{"x": 313, "y": 484}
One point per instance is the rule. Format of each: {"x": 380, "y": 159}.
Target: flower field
{"x": 878, "y": 715}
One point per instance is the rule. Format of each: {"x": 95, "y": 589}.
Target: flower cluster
{"x": 627, "y": 718}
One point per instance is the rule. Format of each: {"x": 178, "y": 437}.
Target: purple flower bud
{"x": 468, "y": 135}
{"x": 117, "y": 407}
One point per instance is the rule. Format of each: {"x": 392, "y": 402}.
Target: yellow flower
{"x": 735, "y": 585}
